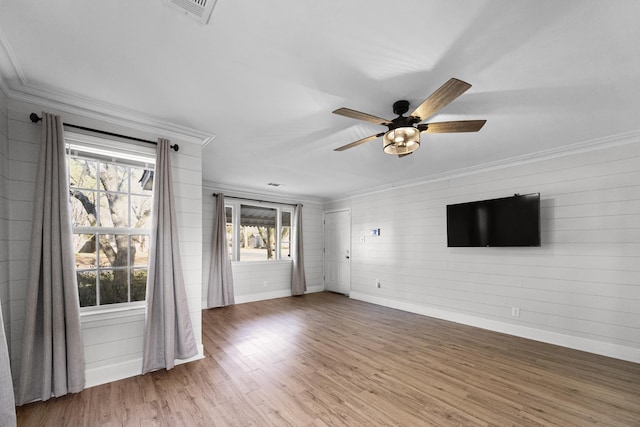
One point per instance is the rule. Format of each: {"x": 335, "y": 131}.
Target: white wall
{"x": 112, "y": 340}
{"x": 4, "y": 215}
{"x": 255, "y": 281}
{"x": 23, "y": 155}
{"x": 580, "y": 289}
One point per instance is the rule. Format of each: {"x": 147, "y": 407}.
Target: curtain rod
{"x": 35, "y": 119}
{"x": 257, "y": 200}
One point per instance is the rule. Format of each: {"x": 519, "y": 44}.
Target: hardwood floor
{"x": 323, "y": 359}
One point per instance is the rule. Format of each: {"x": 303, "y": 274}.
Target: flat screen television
{"x": 508, "y": 221}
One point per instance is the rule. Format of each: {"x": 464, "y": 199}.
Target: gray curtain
{"x": 220, "y": 288}
{"x": 298, "y": 280}
{"x": 52, "y": 352}
{"x": 168, "y": 331}
{"x": 7, "y": 400}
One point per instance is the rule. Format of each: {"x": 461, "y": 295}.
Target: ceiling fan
{"x": 403, "y": 135}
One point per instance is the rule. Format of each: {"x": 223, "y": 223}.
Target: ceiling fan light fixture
{"x": 402, "y": 140}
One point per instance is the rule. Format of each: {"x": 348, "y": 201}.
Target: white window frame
{"x": 122, "y": 150}
{"x": 236, "y": 206}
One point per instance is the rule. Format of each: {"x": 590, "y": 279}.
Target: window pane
{"x": 114, "y": 286}
{"x": 82, "y": 173}
{"x": 113, "y": 250}
{"x": 87, "y": 288}
{"x": 229, "y": 214}
{"x": 85, "y": 249}
{"x": 139, "y": 250}
{"x": 141, "y": 211}
{"x": 113, "y": 177}
{"x": 138, "y": 284}
{"x": 83, "y": 208}
{"x": 257, "y": 231}
{"x": 141, "y": 181}
{"x": 285, "y": 237}
{"x": 114, "y": 210}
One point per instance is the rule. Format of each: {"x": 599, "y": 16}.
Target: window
{"x": 257, "y": 233}
{"x": 111, "y": 205}
{"x": 262, "y": 234}
{"x": 285, "y": 234}
{"x": 229, "y": 214}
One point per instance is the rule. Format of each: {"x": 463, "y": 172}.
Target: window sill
{"x": 272, "y": 262}
{"x": 102, "y": 314}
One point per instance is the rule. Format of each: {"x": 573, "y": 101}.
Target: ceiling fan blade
{"x": 452, "y": 127}
{"x": 348, "y": 112}
{"x": 405, "y": 155}
{"x": 358, "y": 142}
{"x": 441, "y": 98}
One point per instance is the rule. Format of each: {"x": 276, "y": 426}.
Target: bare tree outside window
{"x": 111, "y": 211}
{"x": 285, "y": 236}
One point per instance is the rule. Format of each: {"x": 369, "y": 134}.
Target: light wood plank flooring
{"x": 323, "y": 359}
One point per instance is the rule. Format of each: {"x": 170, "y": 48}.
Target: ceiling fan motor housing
{"x": 399, "y": 108}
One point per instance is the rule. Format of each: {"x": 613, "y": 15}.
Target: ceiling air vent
{"x": 200, "y": 10}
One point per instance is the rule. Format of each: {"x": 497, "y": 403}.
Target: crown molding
{"x": 566, "y": 150}
{"x": 9, "y": 62}
{"x": 15, "y": 85}
{"x": 116, "y": 115}
{"x": 252, "y": 193}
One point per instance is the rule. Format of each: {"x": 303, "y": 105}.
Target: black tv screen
{"x": 508, "y": 221}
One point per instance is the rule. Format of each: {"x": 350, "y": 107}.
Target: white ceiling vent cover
{"x": 200, "y": 10}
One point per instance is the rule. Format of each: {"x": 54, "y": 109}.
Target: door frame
{"x": 324, "y": 246}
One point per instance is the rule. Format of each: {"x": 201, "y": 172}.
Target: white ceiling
{"x": 264, "y": 76}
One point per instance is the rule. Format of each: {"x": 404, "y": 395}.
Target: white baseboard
{"x": 126, "y": 369}
{"x": 241, "y": 299}
{"x": 616, "y": 351}
{"x": 117, "y": 371}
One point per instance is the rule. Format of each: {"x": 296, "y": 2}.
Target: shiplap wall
{"x": 255, "y": 281}
{"x": 23, "y": 155}
{"x": 112, "y": 339}
{"x": 580, "y": 289}
{"x": 4, "y": 214}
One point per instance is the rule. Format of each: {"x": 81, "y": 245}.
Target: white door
{"x": 337, "y": 251}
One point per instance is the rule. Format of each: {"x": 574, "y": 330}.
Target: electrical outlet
{"x": 515, "y": 311}
{"x": 378, "y": 284}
